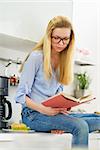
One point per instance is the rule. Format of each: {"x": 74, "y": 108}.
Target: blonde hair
{"x": 66, "y": 56}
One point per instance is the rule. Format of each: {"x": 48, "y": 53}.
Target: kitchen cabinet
{"x": 16, "y": 43}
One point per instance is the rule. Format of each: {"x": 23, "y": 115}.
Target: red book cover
{"x": 63, "y": 100}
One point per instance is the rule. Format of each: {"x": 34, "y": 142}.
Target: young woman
{"x": 46, "y": 70}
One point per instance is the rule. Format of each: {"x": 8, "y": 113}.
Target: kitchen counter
{"x": 37, "y": 141}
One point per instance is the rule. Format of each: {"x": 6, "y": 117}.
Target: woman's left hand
{"x": 64, "y": 111}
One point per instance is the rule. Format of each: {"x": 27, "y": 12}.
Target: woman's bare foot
{"x": 57, "y": 131}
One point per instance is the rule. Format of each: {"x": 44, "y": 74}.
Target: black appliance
{"x": 4, "y": 103}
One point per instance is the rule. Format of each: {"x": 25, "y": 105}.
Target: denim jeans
{"x": 79, "y": 125}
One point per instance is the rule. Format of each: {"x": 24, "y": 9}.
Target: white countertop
{"x": 43, "y": 141}
{"x": 12, "y": 136}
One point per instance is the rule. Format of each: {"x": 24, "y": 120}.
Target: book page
{"x": 70, "y": 97}
{"x": 80, "y": 100}
{"x": 86, "y": 98}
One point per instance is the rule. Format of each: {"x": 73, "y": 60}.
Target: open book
{"x": 62, "y": 100}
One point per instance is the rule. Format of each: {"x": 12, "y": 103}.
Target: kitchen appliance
{"x": 5, "y": 105}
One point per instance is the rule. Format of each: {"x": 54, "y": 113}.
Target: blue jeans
{"x": 79, "y": 125}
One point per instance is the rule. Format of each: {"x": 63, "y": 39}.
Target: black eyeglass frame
{"x": 61, "y": 39}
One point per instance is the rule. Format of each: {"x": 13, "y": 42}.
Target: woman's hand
{"x": 64, "y": 111}
{"x": 49, "y": 111}
{"x": 52, "y": 111}
{"x": 43, "y": 109}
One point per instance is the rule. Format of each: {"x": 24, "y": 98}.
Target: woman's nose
{"x": 61, "y": 42}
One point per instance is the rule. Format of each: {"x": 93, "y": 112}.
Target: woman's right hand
{"x": 43, "y": 109}
{"x": 52, "y": 111}
{"x": 49, "y": 111}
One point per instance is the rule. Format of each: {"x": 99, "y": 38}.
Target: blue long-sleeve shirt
{"x": 33, "y": 82}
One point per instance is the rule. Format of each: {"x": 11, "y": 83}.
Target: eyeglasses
{"x": 59, "y": 39}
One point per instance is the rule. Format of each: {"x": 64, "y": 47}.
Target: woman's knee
{"x": 81, "y": 127}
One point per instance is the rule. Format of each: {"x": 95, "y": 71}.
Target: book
{"x": 62, "y": 100}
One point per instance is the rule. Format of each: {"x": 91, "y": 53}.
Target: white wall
{"x": 29, "y": 19}
{"x": 98, "y": 56}
{"x": 86, "y": 21}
